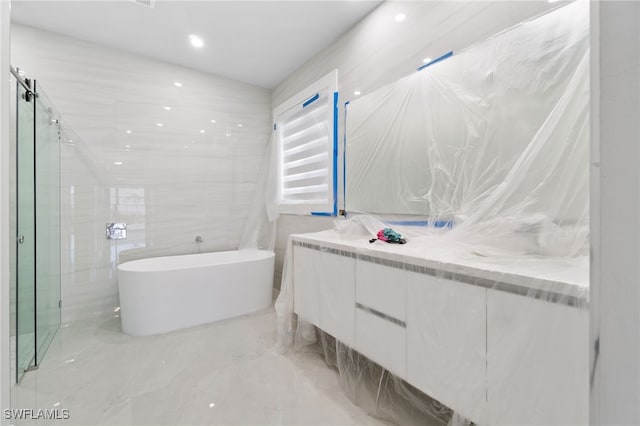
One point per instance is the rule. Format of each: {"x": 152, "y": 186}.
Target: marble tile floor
{"x": 225, "y": 373}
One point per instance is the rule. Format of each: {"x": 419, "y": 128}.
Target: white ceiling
{"x": 257, "y": 42}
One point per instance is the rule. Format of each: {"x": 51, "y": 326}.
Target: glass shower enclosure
{"x": 35, "y": 218}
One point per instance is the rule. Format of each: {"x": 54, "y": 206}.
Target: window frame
{"x": 296, "y": 103}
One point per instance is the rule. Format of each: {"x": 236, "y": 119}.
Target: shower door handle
{"x": 21, "y": 239}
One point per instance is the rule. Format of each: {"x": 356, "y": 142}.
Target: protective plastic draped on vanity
{"x": 492, "y": 320}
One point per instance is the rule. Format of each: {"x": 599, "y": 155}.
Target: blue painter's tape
{"x": 435, "y": 61}
{"x": 311, "y": 100}
{"x": 335, "y": 153}
{"x": 344, "y": 158}
{"x": 442, "y": 224}
{"x": 435, "y": 223}
{"x": 407, "y": 222}
{"x": 322, "y": 214}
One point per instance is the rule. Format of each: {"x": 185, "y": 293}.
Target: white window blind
{"x": 306, "y": 149}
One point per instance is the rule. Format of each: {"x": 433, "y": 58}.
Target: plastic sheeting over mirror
{"x": 495, "y": 137}
{"x": 486, "y": 318}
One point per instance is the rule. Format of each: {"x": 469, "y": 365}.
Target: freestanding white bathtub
{"x": 162, "y": 294}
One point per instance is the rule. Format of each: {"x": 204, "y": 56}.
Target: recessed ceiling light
{"x": 552, "y": 1}
{"x": 128, "y": 132}
{"x": 168, "y": 108}
{"x": 240, "y": 125}
{"x": 213, "y": 121}
{"x": 186, "y": 147}
{"x": 426, "y": 60}
{"x": 196, "y": 41}
{"x": 400, "y": 17}
{"x": 159, "y": 124}
{"x": 177, "y": 84}
{"x": 357, "y": 93}
{"x": 201, "y": 131}
{"x": 127, "y": 146}
{"x": 70, "y": 140}
{"x": 118, "y": 163}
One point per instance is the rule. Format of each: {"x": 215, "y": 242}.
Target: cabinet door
{"x": 537, "y": 366}
{"x": 306, "y": 274}
{"x": 446, "y": 342}
{"x": 337, "y": 296}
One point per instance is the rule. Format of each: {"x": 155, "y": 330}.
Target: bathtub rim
{"x": 126, "y": 267}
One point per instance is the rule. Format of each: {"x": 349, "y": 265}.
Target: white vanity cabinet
{"x": 446, "y": 342}
{"x": 487, "y": 349}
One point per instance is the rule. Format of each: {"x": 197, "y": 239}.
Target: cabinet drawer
{"x": 382, "y": 288}
{"x": 382, "y": 341}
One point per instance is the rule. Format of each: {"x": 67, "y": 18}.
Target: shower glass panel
{"x": 35, "y": 222}
{"x": 26, "y": 233}
{"x": 47, "y": 205}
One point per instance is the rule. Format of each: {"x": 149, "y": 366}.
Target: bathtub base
{"x": 216, "y": 287}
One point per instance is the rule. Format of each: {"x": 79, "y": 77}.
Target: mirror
{"x": 500, "y": 129}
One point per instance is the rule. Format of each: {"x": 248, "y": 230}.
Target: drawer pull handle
{"x": 382, "y": 315}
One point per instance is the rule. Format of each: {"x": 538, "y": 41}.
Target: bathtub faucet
{"x": 199, "y": 239}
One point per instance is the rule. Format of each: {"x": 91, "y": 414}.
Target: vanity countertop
{"x": 560, "y": 279}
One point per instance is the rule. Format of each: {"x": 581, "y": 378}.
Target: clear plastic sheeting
{"x": 494, "y": 138}
{"x": 482, "y": 316}
{"x": 260, "y": 229}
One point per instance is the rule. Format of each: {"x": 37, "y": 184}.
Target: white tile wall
{"x": 175, "y": 182}
{"x": 380, "y": 50}
{"x": 615, "y": 208}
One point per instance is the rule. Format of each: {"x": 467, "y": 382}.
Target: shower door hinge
{"x": 28, "y": 94}
{"x": 60, "y": 304}
{"x": 21, "y": 239}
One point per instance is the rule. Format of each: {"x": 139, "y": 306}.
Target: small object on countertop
{"x": 390, "y": 236}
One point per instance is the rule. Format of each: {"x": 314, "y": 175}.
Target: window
{"x": 306, "y": 127}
